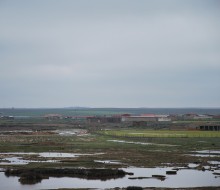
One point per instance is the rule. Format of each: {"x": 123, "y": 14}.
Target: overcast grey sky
{"x": 110, "y": 53}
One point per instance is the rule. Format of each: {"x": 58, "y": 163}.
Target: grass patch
{"x": 126, "y": 153}
{"x": 160, "y": 133}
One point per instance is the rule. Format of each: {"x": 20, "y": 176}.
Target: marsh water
{"x": 184, "y": 178}
{"x": 141, "y": 143}
{"x": 206, "y": 153}
{"x": 15, "y": 158}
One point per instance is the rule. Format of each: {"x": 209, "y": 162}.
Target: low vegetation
{"x": 129, "y": 147}
{"x": 160, "y": 133}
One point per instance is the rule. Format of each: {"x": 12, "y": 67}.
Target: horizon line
{"x": 86, "y": 107}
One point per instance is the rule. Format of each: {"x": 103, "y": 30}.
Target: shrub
{"x": 134, "y": 188}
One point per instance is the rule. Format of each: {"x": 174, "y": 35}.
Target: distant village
{"x": 189, "y": 121}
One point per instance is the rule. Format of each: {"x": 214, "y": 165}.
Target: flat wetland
{"x": 39, "y": 145}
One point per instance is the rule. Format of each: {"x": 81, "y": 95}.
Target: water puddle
{"x": 13, "y": 161}
{"x": 17, "y": 131}
{"x": 108, "y": 162}
{"x": 78, "y": 132}
{"x": 206, "y": 153}
{"x": 15, "y": 158}
{"x": 192, "y": 165}
{"x": 17, "y": 153}
{"x": 214, "y": 162}
{"x": 58, "y": 155}
{"x": 141, "y": 143}
{"x": 21, "y": 161}
{"x": 130, "y": 142}
{"x": 64, "y": 155}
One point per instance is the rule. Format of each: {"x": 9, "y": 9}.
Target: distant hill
{"x": 85, "y": 111}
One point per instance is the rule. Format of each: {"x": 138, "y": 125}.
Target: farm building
{"x": 203, "y": 117}
{"x": 146, "y": 118}
{"x": 104, "y": 119}
{"x": 189, "y": 116}
{"x": 209, "y": 127}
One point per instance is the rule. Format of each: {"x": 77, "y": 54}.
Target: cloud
{"x": 110, "y": 53}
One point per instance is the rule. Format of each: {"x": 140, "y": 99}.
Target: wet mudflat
{"x": 18, "y": 158}
{"x": 154, "y": 162}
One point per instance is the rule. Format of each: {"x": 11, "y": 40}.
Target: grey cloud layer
{"x": 109, "y": 53}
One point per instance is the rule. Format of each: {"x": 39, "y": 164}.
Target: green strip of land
{"x": 161, "y": 133}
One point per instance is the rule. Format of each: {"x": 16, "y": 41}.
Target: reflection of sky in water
{"x": 20, "y": 161}
{"x": 184, "y": 178}
{"x": 214, "y": 162}
{"x": 71, "y": 132}
{"x": 141, "y": 143}
{"x": 57, "y": 155}
{"x": 14, "y": 160}
{"x": 108, "y": 161}
{"x": 206, "y": 153}
{"x": 63, "y": 155}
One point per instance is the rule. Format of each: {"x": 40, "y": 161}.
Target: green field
{"x": 161, "y": 133}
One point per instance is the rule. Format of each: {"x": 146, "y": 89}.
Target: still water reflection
{"x": 184, "y": 178}
{"x": 17, "y": 159}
